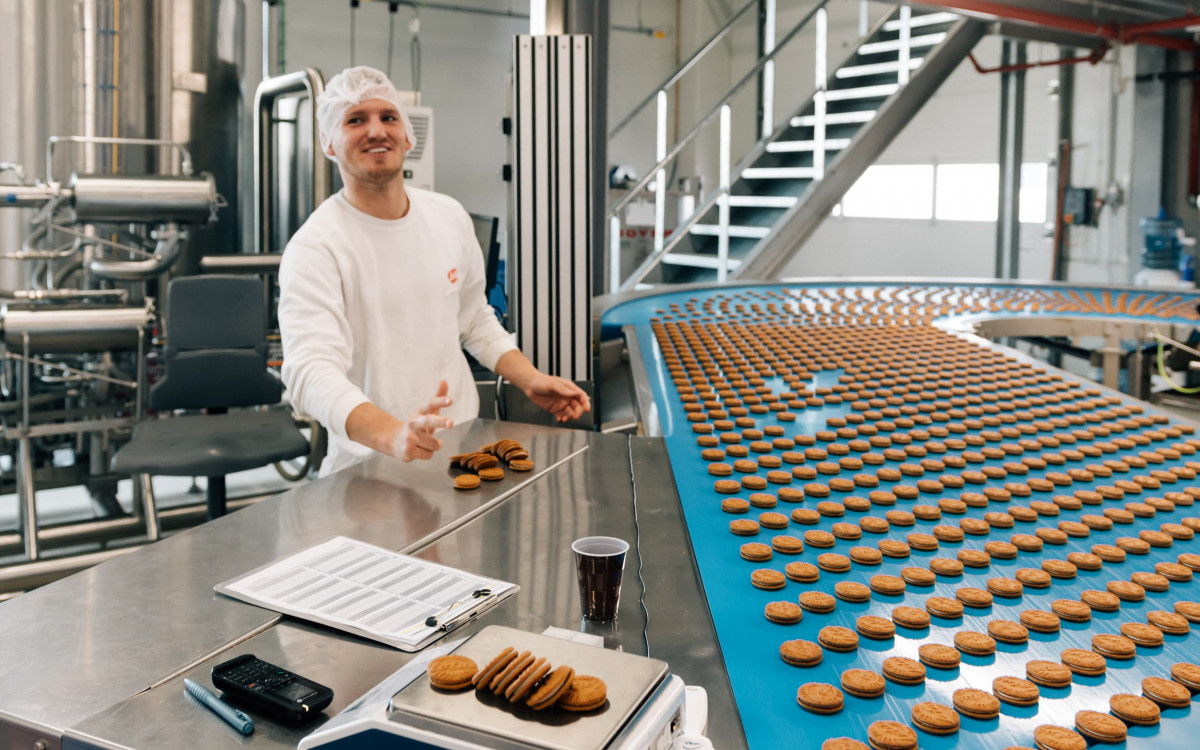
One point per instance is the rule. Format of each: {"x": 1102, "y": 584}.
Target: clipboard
{"x": 359, "y": 588}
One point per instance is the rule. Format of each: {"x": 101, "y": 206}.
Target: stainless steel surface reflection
{"x": 101, "y": 656}
{"x": 83, "y": 644}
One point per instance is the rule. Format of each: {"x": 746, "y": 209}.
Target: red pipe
{"x": 1171, "y": 24}
{"x": 1111, "y": 32}
{"x": 1094, "y": 57}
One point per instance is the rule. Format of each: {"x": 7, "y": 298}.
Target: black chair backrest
{"x": 487, "y": 231}
{"x": 216, "y": 352}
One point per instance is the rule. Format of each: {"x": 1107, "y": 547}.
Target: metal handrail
{"x": 691, "y": 134}
{"x": 654, "y": 258}
{"x": 675, "y": 77}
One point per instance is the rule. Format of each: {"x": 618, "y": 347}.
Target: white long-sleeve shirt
{"x": 379, "y": 310}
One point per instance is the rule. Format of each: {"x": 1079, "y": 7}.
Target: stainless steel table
{"x": 98, "y": 659}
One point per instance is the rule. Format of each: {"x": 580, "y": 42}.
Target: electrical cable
{"x": 1162, "y": 373}
{"x": 392, "y": 8}
{"x": 415, "y": 52}
{"x": 637, "y": 545}
{"x": 353, "y": 7}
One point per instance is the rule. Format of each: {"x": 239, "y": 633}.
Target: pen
{"x": 231, "y": 715}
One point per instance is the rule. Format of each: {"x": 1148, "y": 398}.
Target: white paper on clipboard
{"x": 370, "y": 591}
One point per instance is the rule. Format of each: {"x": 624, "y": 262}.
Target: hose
{"x": 1162, "y": 372}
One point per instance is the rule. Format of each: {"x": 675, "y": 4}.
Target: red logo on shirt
{"x": 452, "y": 275}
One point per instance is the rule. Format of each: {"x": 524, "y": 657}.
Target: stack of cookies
{"x": 522, "y": 678}
{"x": 484, "y": 464}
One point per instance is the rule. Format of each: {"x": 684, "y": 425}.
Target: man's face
{"x": 371, "y": 143}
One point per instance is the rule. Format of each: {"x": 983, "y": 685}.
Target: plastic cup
{"x": 599, "y": 566}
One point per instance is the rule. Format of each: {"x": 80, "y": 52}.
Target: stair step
{"x": 837, "y": 118}
{"x": 927, "y": 40}
{"x": 778, "y": 173}
{"x": 874, "y": 69}
{"x": 699, "y": 261}
{"x": 863, "y": 92}
{"x": 714, "y": 230}
{"x": 762, "y": 201}
{"x": 791, "y": 147}
{"x": 929, "y": 19}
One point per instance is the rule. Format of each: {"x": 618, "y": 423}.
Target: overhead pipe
{"x": 1126, "y": 34}
{"x": 1193, "y": 183}
{"x": 1094, "y": 57}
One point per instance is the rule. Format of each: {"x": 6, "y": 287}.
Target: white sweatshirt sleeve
{"x": 479, "y": 331}
{"x": 316, "y": 336}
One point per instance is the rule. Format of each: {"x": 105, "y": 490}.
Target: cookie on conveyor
{"x": 800, "y": 653}
{"x": 1134, "y": 709}
{"x": 1049, "y": 674}
{"x": 863, "y": 683}
{"x": 1166, "y": 693}
{"x": 838, "y": 638}
{"x": 1083, "y": 662}
{"x": 843, "y": 743}
{"x": 978, "y": 704}
{"x": 451, "y": 672}
{"x": 1186, "y": 674}
{"x": 891, "y": 735}
{"x": 551, "y": 689}
{"x": 939, "y": 656}
{"x": 820, "y": 698}
{"x": 903, "y": 671}
{"x": 1017, "y": 691}
{"x": 1050, "y": 737}
{"x": 1100, "y": 727}
{"x": 586, "y": 693}
{"x": 934, "y": 718}
{"x": 1113, "y": 646}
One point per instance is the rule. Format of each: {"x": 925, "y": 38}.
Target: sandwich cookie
{"x": 974, "y": 643}
{"x": 800, "y": 653}
{"x": 499, "y": 662}
{"x": 552, "y": 689}
{"x": 938, "y": 656}
{"x": 1186, "y": 674}
{"x": 838, "y": 638}
{"x": 863, "y": 683}
{"x": 1134, "y": 709}
{"x": 934, "y": 718}
{"x": 979, "y": 704}
{"x": 1113, "y": 646}
{"x": 892, "y": 735}
{"x": 1050, "y": 737}
{"x": 904, "y": 671}
{"x": 844, "y": 743}
{"x": 1143, "y": 635}
{"x": 452, "y": 672}
{"x": 586, "y": 693}
{"x": 532, "y": 675}
{"x": 820, "y": 698}
{"x": 1169, "y": 622}
{"x": 1100, "y": 727}
{"x": 1166, "y": 693}
{"x": 1016, "y": 691}
{"x": 783, "y": 613}
{"x": 1048, "y": 674}
{"x": 1083, "y": 662}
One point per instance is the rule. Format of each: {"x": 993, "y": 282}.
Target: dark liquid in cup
{"x": 599, "y": 584}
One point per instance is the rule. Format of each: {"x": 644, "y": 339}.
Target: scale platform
{"x": 491, "y": 721}
{"x": 645, "y": 708}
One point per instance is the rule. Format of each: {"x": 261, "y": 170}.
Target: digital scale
{"x": 647, "y": 709}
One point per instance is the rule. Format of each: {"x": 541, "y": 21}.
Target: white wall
{"x": 960, "y": 124}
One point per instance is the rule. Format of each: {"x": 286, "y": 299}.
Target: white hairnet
{"x": 350, "y": 88}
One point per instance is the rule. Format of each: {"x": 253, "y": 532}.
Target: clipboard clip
{"x": 448, "y": 624}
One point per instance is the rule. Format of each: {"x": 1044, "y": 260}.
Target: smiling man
{"x": 381, "y": 290}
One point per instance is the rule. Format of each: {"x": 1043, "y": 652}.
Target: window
{"x": 892, "y": 191}
{"x": 964, "y": 192}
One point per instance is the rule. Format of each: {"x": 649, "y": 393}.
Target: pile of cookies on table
{"x": 484, "y": 464}
{"x": 522, "y": 678}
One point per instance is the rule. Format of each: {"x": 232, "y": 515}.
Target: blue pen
{"x": 231, "y": 715}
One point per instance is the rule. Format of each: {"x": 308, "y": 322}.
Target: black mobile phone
{"x": 270, "y": 689}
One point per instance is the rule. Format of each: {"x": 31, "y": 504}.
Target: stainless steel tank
{"x": 167, "y": 69}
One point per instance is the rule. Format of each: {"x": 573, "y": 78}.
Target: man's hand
{"x": 562, "y": 398}
{"x": 415, "y": 438}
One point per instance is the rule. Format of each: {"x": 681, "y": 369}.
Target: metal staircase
{"x": 766, "y": 206}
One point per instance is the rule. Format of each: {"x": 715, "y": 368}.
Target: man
{"x": 382, "y": 288}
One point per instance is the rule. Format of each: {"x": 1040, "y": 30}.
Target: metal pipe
{"x": 1112, "y": 32}
{"x": 144, "y": 198}
{"x": 1193, "y": 179}
{"x": 28, "y": 196}
{"x": 1094, "y": 57}
{"x": 185, "y": 164}
{"x": 459, "y": 9}
{"x": 311, "y": 82}
{"x": 170, "y": 244}
{"x": 683, "y": 69}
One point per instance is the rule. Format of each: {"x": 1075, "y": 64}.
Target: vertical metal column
{"x": 821, "y": 72}
{"x": 1012, "y": 137}
{"x": 1066, "y": 112}
{"x": 553, "y": 221}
